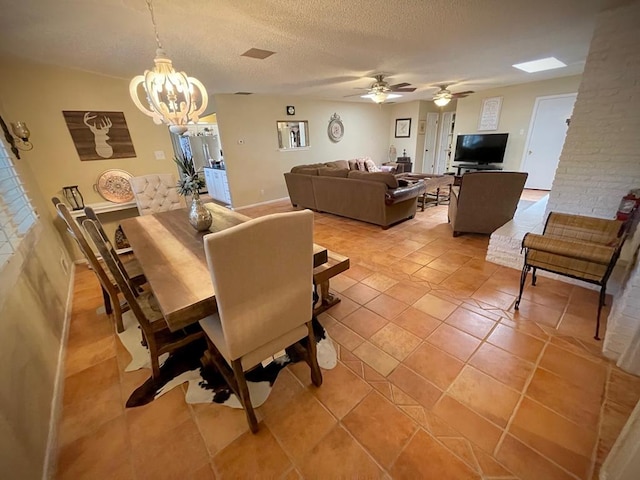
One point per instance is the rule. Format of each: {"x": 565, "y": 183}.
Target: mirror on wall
{"x": 293, "y": 134}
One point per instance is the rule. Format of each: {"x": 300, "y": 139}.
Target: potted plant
{"x": 190, "y": 183}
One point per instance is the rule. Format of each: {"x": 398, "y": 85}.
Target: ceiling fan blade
{"x": 355, "y": 95}
{"x": 403, "y": 89}
{"x": 399, "y": 85}
{"x": 462, "y": 94}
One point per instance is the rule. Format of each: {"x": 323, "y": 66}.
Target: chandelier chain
{"x": 153, "y": 20}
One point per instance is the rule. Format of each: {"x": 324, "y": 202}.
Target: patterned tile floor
{"x": 438, "y": 378}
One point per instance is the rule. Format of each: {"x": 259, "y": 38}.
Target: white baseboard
{"x": 51, "y": 454}
{"x": 261, "y": 203}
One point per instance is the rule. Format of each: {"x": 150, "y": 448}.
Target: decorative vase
{"x": 199, "y": 217}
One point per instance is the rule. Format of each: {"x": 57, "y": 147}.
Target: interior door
{"x": 431, "y": 134}
{"x": 444, "y": 144}
{"x": 547, "y": 131}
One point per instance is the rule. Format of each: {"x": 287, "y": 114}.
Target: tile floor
{"x": 438, "y": 378}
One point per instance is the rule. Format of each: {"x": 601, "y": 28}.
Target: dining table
{"x": 171, "y": 254}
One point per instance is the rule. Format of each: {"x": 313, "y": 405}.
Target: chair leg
{"x": 107, "y": 301}
{"x": 523, "y": 279}
{"x": 245, "y": 399}
{"x": 316, "y": 374}
{"x": 534, "y": 277}
{"x": 603, "y": 293}
{"x": 117, "y": 315}
{"x": 153, "y": 354}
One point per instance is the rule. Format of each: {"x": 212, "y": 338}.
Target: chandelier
{"x": 172, "y": 97}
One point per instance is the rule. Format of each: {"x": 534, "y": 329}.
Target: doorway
{"x": 431, "y": 134}
{"x": 547, "y": 131}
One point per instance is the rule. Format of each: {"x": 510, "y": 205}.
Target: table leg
{"x": 327, "y": 299}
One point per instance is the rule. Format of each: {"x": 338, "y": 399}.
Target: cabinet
{"x": 217, "y": 184}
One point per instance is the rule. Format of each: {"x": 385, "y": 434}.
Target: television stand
{"x": 475, "y": 166}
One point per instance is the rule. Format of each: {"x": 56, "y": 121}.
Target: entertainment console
{"x": 475, "y": 166}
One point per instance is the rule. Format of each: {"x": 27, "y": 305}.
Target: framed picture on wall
{"x": 490, "y": 113}
{"x": 403, "y": 127}
{"x": 99, "y": 135}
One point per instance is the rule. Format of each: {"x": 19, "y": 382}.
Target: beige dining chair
{"x": 156, "y": 193}
{"x": 107, "y": 283}
{"x": 159, "y": 339}
{"x": 262, "y": 274}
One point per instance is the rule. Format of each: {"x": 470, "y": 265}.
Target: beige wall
{"x": 515, "y": 115}
{"x": 33, "y": 294}
{"x": 255, "y": 167}
{"x": 37, "y": 94}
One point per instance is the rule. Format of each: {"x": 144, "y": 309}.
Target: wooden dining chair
{"x": 159, "y": 339}
{"x": 156, "y": 193}
{"x": 262, "y": 274}
{"x": 107, "y": 283}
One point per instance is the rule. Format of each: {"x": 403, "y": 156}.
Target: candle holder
{"x": 74, "y": 197}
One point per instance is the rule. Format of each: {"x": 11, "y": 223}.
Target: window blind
{"x": 17, "y": 215}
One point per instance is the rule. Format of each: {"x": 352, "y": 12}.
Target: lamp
{"x": 18, "y": 138}
{"x": 173, "y": 98}
{"x": 441, "y": 101}
{"x": 380, "y": 96}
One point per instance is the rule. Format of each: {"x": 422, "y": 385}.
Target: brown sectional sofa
{"x": 374, "y": 197}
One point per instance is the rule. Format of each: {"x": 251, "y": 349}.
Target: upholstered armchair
{"x": 156, "y": 193}
{"x": 485, "y": 201}
{"x": 579, "y": 247}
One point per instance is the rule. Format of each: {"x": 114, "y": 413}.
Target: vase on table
{"x": 199, "y": 217}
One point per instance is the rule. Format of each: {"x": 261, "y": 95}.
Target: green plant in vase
{"x": 190, "y": 183}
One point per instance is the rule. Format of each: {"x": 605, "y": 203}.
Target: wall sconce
{"x": 20, "y": 137}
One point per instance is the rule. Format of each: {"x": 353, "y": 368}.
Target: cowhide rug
{"x": 206, "y": 384}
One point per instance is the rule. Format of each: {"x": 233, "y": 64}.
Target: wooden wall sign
{"x": 99, "y": 135}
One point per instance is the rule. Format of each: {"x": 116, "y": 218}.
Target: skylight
{"x": 541, "y": 65}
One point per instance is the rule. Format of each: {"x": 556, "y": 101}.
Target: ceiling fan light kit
{"x": 173, "y": 98}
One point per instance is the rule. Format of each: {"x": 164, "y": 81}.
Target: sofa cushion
{"x": 342, "y": 164}
{"x": 383, "y": 177}
{"x": 305, "y": 170}
{"x": 333, "y": 172}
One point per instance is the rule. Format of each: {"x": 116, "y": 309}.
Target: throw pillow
{"x": 353, "y": 165}
{"x": 371, "y": 167}
{"x": 388, "y": 178}
{"x": 361, "y": 164}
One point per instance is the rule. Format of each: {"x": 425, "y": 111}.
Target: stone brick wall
{"x": 600, "y": 161}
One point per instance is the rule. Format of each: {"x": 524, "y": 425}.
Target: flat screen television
{"x": 481, "y": 148}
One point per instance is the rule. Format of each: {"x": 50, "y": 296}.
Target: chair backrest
{"x": 588, "y": 229}
{"x": 262, "y": 274}
{"x": 156, "y": 193}
{"x": 91, "y": 214}
{"x": 105, "y": 248}
{"x": 76, "y": 233}
{"x": 488, "y": 200}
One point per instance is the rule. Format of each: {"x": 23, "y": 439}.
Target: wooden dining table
{"x": 171, "y": 254}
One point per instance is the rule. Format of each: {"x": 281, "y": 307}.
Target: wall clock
{"x": 336, "y": 128}
{"x": 291, "y": 110}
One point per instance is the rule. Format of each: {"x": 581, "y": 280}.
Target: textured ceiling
{"x": 325, "y": 48}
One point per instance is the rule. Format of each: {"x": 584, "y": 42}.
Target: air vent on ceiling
{"x": 257, "y": 53}
{"x": 243, "y": 93}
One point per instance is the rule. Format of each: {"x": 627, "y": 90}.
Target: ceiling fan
{"x": 380, "y": 90}
{"x": 444, "y": 96}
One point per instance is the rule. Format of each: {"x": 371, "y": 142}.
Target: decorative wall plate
{"x": 335, "y": 129}
{"x": 113, "y": 185}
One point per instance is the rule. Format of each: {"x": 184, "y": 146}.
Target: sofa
{"x": 485, "y": 201}
{"x": 333, "y": 187}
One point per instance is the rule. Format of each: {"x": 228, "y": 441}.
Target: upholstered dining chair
{"x": 156, "y": 193}
{"x": 110, "y": 289}
{"x": 575, "y": 246}
{"x": 159, "y": 338}
{"x": 262, "y": 274}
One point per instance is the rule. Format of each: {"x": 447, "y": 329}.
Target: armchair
{"x": 578, "y": 247}
{"x": 485, "y": 201}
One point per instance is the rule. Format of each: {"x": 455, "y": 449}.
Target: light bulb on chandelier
{"x": 172, "y": 97}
